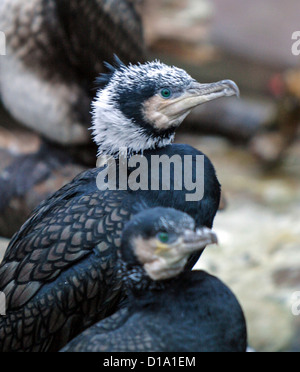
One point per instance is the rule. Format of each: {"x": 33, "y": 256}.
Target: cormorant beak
{"x": 197, "y": 240}
{"x": 196, "y": 94}
{"x": 169, "y": 260}
{"x": 200, "y": 93}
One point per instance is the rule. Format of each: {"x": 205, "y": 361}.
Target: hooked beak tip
{"x": 201, "y": 237}
{"x": 210, "y": 235}
{"x": 231, "y": 88}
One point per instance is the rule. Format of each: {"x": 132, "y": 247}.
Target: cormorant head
{"x": 158, "y": 242}
{"x": 139, "y": 107}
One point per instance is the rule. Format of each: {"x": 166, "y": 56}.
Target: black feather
{"x": 118, "y": 64}
{"x": 103, "y": 80}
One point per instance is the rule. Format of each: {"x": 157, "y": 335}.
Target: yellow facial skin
{"x": 163, "y": 261}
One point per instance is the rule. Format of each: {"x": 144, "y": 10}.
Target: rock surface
{"x": 179, "y": 28}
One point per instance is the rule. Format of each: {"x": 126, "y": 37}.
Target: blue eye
{"x": 163, "y": 237}
{"x": 166, "y": 93}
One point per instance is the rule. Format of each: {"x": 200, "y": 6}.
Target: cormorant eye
{"x": 166, "y": 93}
{"x": 163, "y": 237}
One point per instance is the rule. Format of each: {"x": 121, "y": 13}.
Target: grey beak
{"x": 224, "y": 88}
{"x": 200, "y": 238}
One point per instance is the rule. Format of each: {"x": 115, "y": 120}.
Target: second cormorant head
{"x": 139, "y": 107}
{"x": 157, "y": 244}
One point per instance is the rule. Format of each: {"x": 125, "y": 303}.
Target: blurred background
{"x": 253, "y": 142}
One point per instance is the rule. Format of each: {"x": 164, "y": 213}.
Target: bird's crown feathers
{"x": 103, "y": 80}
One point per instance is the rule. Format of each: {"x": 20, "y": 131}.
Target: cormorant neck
{"x": 151, "y": 292}
{"x": 144, "y": 294}
{"x": 137, "y": 282}
{"x": 112, "y": 130}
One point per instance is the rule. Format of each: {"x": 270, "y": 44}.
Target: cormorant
{"x": 54, "y": 50}
{"x": 168, "y": 310}
{"x": 59, "y": 272}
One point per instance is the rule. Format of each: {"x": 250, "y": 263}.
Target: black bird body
{"x": 60, "y": 272}
{"x": 168, "y": 308}
{"x": 195, "y": 312}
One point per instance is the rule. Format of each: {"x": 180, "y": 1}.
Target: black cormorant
{"x": 54, "y": 50}
{"x": 168, "y": 310}
{"x": 59, "y": 272}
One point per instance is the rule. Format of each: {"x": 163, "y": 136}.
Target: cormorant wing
{"x": 63, "y": 230}
{"x": 122, "y": 332}
{"x": 88, "y": 340}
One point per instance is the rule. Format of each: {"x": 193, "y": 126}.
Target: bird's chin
{"x": 165, "y": 268}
